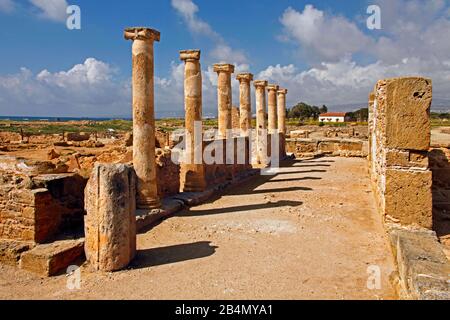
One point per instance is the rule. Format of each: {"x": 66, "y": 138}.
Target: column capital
{"x": 282, "y": 91}
{"x": 189, "y": 55}
{"x": 244, "y": 77}
{"x": 273, "y": 87}
{"x": 224, "y": 67}
{"x": 260, "y": 83}
{"x": 141, "y": 33}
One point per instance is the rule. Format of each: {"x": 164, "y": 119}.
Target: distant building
{"x": 333, "y": 117}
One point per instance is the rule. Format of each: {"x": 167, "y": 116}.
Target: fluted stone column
{"x": 281, "y": 102}
{"x": 144, "y": 115}
{"x": 193, "y": 172}
{"x": 261, "y": 131}
{"x": 245, "y": 102}
{"x": 224, "y": 98}
{"x": 272, "y": 107}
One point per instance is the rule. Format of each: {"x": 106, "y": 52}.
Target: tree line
{"x": 304, "y": 111}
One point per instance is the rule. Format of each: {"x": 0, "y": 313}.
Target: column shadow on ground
{"x": 295, "y": 179}
{"x": 311, "y": 165}
{"x": 172, "y": 254}
{"x": 287, "y": 189}
{"x": 283, "y": 203}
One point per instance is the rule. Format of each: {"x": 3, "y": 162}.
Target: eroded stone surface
{"x": 110, "y": 223}
{"x": 192, "y": 169}
{"x": 261, "y": 133}
{"x": 245, "y": 102}
{"x": 399, "y": 128}
{"x": 144, "y": 115}
{"x": 224, "y": 96}
{"x": 272, "y": 90}
{"x": 422, "y": 264}
{"x": 49, "y": 259}
{"x": 10, "y": 251}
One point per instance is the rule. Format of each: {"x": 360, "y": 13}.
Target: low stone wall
{"x": 36, "y": 204}
{"x": 328, "y": 147}
{"x": 399, "y": 141}
{"x": 167, "y": 174}
{"x": 216, "y": 173}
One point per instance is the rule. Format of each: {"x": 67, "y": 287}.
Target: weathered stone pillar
{"x": 193, "y": 172}
{"x": 245, "y": 101}
{"x": 144, "y": 115}
{"x": 272, "y": 107}
{"x": 400, "y": 142}
{"x": 281, "y": 103}
{"x": 224, "y": 97}
{"x": 110, "y": 223}
{"x": 261, "y": 131}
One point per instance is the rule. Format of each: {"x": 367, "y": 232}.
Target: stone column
{"x": 193, "y": 172}
{"x": 281, "y": 102}
{"x": 224, "y": 99}
{"x": 272, "y": 107}
{"x": 261, "y": 132}
{"x": 144, "y": 115}
{"x": 110, "y": 223}
{"x": 245, "y": 101}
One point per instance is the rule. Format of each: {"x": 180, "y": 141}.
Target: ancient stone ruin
{"x": 399, "y": 137}
{"x": 50, "y": 217}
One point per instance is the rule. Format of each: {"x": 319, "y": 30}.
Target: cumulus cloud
{"x": 322, "y": 36}
{"x": 89, "y": 89}
{"x": 222, "y": 52}
{"x": 413, "y": 41}
{"x": 93, "y": 89}
{"x": 6, "y": 6}
{"x": 51, "y": 9}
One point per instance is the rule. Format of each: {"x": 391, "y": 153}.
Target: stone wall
{"x": 399, "y": 141}
{"x": 440, "y": 167}
{"x": 327, "y": 147}
{"x": 167, "y": 174}
{"x": 36, "y": 204}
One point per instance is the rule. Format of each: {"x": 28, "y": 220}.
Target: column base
{"x": 148, "y": 204}
{"x": 194, "y": 186}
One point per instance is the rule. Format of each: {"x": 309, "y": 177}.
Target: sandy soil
{"x": 310, "y": 232}
{"x": 438, "y": 137}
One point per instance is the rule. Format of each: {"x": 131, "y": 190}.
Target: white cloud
{"x": 87, "y": 89}
{"x": 188, "y": 10}
{"x": 222, "y": 52}
{"x": 6, "y": 6}
{"x": 413, "y": 41}
{"x": 52, "y": 9}
{"x": 322, "y": 36}
{"x": 346, "y": 82}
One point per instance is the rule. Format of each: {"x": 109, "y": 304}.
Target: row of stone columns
{"x": 110, "y": 195}
{"x": 144, "y": 114}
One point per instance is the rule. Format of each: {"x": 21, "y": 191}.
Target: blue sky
{"x": 321, "y": 51}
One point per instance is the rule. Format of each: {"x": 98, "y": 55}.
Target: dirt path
{"x": 310, "y": 232}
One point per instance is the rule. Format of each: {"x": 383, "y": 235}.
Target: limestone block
{"x": 406, "y": 103}
{"x": 406, "y": 158}
{"x": 110, "y": 223}
{"x": 49, "y": 259}
{"x": 422, "y": 264}
{"x": 408, "y": 196}
{"x": 10, "y": 251}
